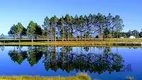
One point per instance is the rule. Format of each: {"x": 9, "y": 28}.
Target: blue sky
{"x": 14, "y": 11}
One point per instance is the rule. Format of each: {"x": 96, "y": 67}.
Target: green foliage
{"x": 34, "y": 55}
{"x": 67, "y": 27}
{"x": 46, "y": 26}
{"x": 17, "y": 30}
{"x": 107, "y": 33}
{"x": 33, "y": 30}
{"x": 19, "y": 27}
{"x": 18, "y": 56}
{"x": 13, "y": 31}
{"x": 140, "y": 34}
{"x": 135, "y": 33}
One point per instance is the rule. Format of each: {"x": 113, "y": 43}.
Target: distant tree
{"x": 129, "y": 33}
{"x": 123, "y": 34}
{"x": 135, "y": 33}
{"x": 2, "y": 35}
{"x": 140, "y": 34}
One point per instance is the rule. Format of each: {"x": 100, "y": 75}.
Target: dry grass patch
{"x": 78, "y": 77}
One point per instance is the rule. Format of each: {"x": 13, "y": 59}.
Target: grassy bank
{"x": 125, "y": 42}
{"x": 78, "y": 77}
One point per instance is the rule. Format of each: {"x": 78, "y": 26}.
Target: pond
{"x": 113, "y": 63}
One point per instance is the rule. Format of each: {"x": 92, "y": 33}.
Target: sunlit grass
{"x": 107, "y": 42}
{"x": 78, "y": 77}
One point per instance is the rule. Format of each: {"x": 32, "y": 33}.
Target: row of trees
{"x": 135, "y": 33}
{"x": 68, "y": 27}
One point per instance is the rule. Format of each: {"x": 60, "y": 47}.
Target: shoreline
{"x": 75, "y": 43}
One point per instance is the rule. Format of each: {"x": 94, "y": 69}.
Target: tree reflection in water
{"x": 34, "y": 55}
{"x": 67, "y": 61}
{"x": 17, "y": 55}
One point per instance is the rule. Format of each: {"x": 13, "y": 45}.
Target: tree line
{"x": 135, "y": 33}
{"x": 69, "y": 27}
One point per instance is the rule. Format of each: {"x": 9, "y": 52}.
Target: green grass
{"x": 78, "y": 77}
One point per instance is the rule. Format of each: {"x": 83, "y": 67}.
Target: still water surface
{"x": 98, "y": 62}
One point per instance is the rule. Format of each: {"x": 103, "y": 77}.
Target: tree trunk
{"x": 19, "y": 40}
{"x": 55, "y": 37}
{"x": 112, "y": 33}
{"x": 85, "y": 37}
{"x": 14, "y": 37}
{"x": 81, "y": 36}
{"x": 32, "y": 39}
{"x": 47, "y": 37}
{"x": 68, "y": 36}
{"x": 20, "y": 37}
{"x": 63, "y": 36}
{"x": 100, "y": 35}
{"x": 63, "y": 33}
